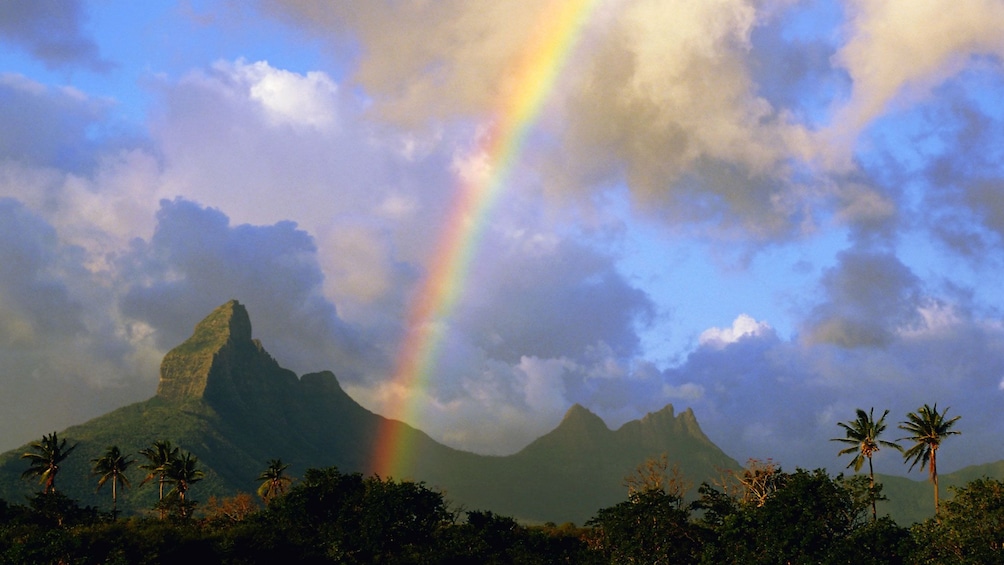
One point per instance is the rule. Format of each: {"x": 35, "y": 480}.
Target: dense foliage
{"x": 759, "y": 515}
{"x": 763, "y": 515}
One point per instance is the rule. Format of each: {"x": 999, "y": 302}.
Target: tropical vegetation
{"x": 862, "y": 435}
{"x": 928, "y": 428}
{"x": 111, "y": 466}
{"x": 759, "y": 514}
{"x": 274, "y": 480}
{"x": 44, "y": 459}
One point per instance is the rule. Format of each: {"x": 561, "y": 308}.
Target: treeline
{"x": 759, "y": 514}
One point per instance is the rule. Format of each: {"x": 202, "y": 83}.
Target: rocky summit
{"x": 222, "y": 364}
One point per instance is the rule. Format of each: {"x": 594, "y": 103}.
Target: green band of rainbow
{"x": 535, "y": 73}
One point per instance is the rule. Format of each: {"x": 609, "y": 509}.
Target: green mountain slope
{"x": 225, "y": 399}
{"x": 912, "y": 499}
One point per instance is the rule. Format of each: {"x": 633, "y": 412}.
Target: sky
{"x": 772, "y": 212}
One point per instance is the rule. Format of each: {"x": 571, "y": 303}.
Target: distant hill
{"x": 225, "y": 399}
{"x": 912, "y": 500}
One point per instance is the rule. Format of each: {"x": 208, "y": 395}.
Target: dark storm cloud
{"x": 42, "y": 126}
{"x": 759, "y": 396}
{"x": 63, "y": 359}
{"x": 868, "y": 297}
{"x": 51, "y": 30}
{"x": 553, "y": 298}
{"x": 196, "y": 261}
{"x": 36, "y": 301}
{"x": 764, "y": 397}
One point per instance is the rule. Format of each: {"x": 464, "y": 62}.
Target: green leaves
{"x": 862, "y": 435}
{"x": 928, "y": 428}
{"x": 274, "y": 480}
{"x": 44, "y": 459}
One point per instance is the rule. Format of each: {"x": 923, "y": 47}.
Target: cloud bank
{"x": 863, "y": 136}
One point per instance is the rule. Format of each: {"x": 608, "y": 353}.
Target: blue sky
{"x": 774, "y": 212}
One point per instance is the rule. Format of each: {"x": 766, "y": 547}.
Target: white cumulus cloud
{"x": 743, "y": 326}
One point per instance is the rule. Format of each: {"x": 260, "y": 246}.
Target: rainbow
{"x": 535, "y": 72}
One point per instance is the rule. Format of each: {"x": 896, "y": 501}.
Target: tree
{"x": 970, "y": 528}
{"x": 652, "y": 526}
{"x": 159, "y": 458}
{"x": 862, "y": 435}
{"x": 274, "y": 480}
{"x": 928, "y": 428}
{"x": 112, "y": 466}
{"x": 758, "y": 480}
{"x": 230, "y": 510}
{"x": 656, "y": 474}
{"x": 329, "y": 516}
{"x": 44, "y": 460}
{"x": 183, "y": 472}
{"x": 806, "y": 517}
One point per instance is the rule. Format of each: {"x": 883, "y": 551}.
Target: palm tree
{"x": 44, "y": 460}
{"x": 275, "y": 480}
{"x": 183, "y": 472}
{"x": 929, "y": 428}
{"x": 862, "y": 436}
{"x": 159, "y": 457}
{"x": 112, "y": 466}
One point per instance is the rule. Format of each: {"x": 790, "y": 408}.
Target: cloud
{"x": 64, "y": 358}
{"x": 899, "y": 50}
{"x": 196, "y": 261}
{"x": 45, "y": 126}
{"x": 51, "y": 30}
{"x": 36, "y": 301}
{"x": 266, "y": 145}
{"x": 290, "y": 98}
{"x": 538, "y": 294}
{"x": 427, "y": 60}
{"x": 765, "y": 397}
{"x": 664, "y": 102}
{"x": 869, "y": 296}
{"x": 743, "y": 326}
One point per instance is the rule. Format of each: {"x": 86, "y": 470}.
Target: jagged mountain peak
{"x": 664, "y": 425}
{"x": 661, "y": 417}
{"x": 221, "y": 362}
{"x": 581, "y": 418}
{"x": 229, "y": 322}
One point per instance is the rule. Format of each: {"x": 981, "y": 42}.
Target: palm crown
{"x": 44, "y": 460}
{"x": 183, "y": 472}
{"x": 112, "y": 466}
{"x": 862, "y": 435}
{"x": 274, "y": 480}
{"x": 159, "y": 457}
{"x": 928, "y": 428}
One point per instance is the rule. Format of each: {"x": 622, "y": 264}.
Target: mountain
{"x": 912, "y": 500}
{"x": 225, "y": 399}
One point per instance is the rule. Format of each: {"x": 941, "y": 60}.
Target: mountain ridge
{"x": 225, "y": 399}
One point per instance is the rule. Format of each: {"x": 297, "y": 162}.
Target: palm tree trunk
{"x": 871, "y": 492}
{"x": 934, "y": 479}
